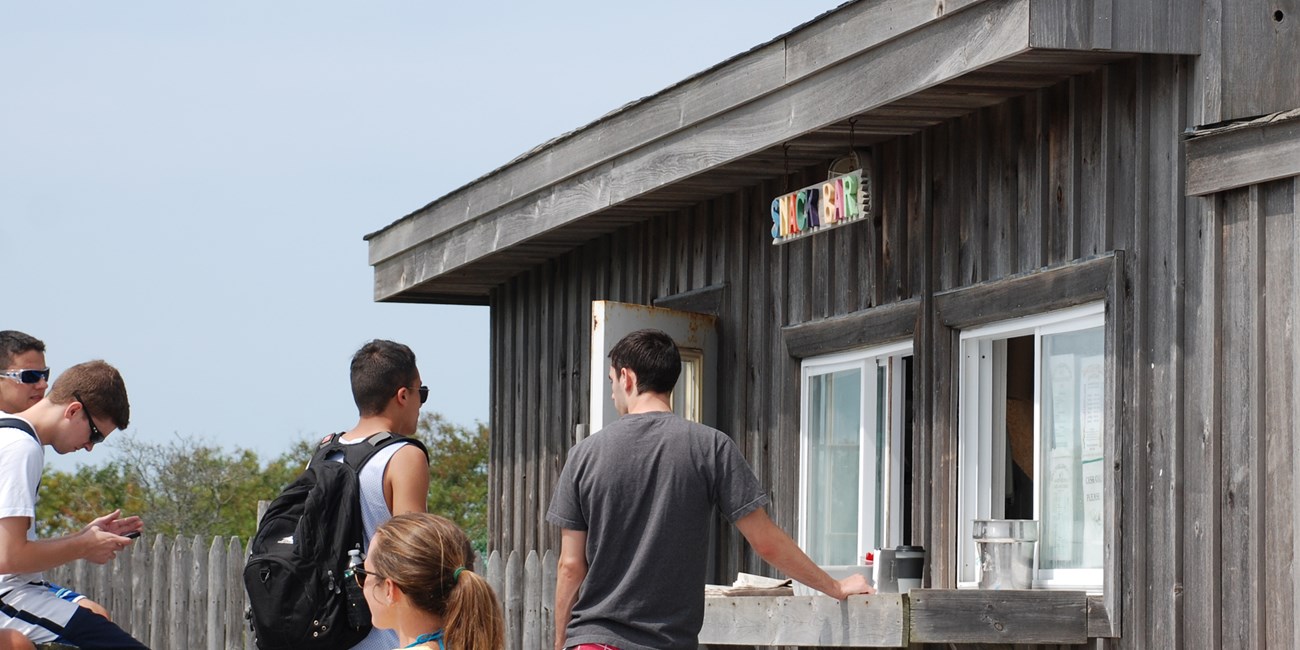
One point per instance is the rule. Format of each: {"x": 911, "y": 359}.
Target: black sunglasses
{"x": 359, "y": 574}
{"x": 96, "y": 436}
{"x": 424, "y": 394}
{"x": 27, "y": 376}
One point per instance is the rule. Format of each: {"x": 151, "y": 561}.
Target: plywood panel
{"x": 1161, "y": 374}
{"x": 1242, "y": 361}
{"x": 1200, "y": 429}
{"x": 1278, "y": 407}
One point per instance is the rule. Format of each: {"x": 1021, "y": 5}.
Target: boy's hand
{"x": 102, "y": 546}
{"x": 114, "y": 523}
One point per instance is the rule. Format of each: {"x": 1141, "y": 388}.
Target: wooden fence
{"x": 182, "y": 593}
{"x": 187, "y": 593}
{"x": 526, "y": 588}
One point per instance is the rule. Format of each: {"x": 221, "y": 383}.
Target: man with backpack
{"x": 86, "y": 403}
{"x": 355, "y": 481}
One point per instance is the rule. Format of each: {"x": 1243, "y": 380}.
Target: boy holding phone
{"x": 22, "y": 364}
{"x": 85, "y": 404}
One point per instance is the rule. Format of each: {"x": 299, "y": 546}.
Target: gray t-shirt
{"x": 644, "y": 488}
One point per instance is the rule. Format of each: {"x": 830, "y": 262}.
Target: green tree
{"x": 193, "y": 488}
{"x": 458, "y": 474}
{"x": 68, "y": 500}
{"x": 188, "y": 487}
{"x": 182, "y": 487}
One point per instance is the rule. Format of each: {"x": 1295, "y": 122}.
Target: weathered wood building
{"x": 1072, "y": 296}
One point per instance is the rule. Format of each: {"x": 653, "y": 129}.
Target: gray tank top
{"x": 374, "y": 511}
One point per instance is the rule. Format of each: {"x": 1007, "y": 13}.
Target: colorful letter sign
{"x": 836, "y": 202}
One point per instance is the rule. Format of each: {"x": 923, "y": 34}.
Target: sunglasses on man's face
{"x": 424, "y": 394}
{"x": 27, "y": 376}
{"x": 96, "y": 436}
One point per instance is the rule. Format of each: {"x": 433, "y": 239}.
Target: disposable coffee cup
{"x": 909, "y": 567}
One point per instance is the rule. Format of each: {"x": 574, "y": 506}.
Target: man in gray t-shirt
{"x": 635, "y": 503}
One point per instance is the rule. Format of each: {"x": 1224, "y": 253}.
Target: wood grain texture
{"x": 1277, "y": 459}
{"x": 1070, "y": 284}
{"x": 975, "y": 616}
{"x": 875, "y": 326}
{"x": 1253, "y": 45}
{"x": 1246, "y": 156}
{"x": 876, "y": 621}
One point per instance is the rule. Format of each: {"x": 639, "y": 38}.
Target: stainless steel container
{"x": 1006, "y": 551}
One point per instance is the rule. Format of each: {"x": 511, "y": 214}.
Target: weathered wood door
{"x": 695, "y": 396}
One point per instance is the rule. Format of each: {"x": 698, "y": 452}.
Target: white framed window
{"x": 853, "y": 450}
{"x": 1032, "y": 440}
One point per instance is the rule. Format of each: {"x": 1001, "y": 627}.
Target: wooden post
{"x": 532, "y": 624}
{"x": 158, "y": 594}
{"x": 218, "y": 577}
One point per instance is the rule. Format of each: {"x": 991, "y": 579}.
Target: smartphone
{"x": 132, "y": 535}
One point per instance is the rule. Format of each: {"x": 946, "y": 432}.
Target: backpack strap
{"x": 22, "y": 425}
{"x": 357, "y": 454}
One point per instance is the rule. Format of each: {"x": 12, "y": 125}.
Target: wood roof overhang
{"x": 897, "y": 66}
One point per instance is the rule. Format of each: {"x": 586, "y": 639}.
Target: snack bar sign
{"x": 836, "y": 202}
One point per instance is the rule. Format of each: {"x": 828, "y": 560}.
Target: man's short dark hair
{"x": 14, "y": 343}
{"x": 379, "y": 368}
{"x": 100, "y": 385}
{"x": 653, "y": 356}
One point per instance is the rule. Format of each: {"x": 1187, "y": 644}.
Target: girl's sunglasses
{"x": 359, "y": 574}
{"x": 27, "y": 376}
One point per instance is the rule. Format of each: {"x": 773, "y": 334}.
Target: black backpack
{"x": 294, "y": 575}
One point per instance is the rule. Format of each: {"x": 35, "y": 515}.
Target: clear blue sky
{"x": 184, "y": 186}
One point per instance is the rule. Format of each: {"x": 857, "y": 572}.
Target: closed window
{"x": 1032, "y": 440}
{"x": 855, "y": 434}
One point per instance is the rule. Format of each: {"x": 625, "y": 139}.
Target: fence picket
{"x": 237, "y": 634}
{"x": 136, "y": 613}
{"x": 197, "y": 603}
{"x": 158, "y": 595}
{"x": 514, "y": 598}
{"x": 100, "y": 580}
{"x": 117, "y": 597}
{"x": 217, "y": 577}
{"x": 532, "y": 629}
{"x": 549, "y": 568}
{"x": 495, "y": 572}
{"x": 177, "y": 583}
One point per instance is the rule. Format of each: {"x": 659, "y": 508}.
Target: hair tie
{"x": 455, "y": 575}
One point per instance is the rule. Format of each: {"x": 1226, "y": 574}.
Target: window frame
{"x": 866, "y": 359}
{"x": 989, "y": 433}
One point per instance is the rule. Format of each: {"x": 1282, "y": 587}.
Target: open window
{"x": 854, "y": 440}
{"x": 1032, "y": 440}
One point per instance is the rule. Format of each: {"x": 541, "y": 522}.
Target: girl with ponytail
{"x": 419, "y": 582}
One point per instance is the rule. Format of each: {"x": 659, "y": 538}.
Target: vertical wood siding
{"x": 1090, "y": 165}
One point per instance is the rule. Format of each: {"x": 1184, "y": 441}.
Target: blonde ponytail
{"x": 426, "y": 556}
{"x": 474, "y": 620}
